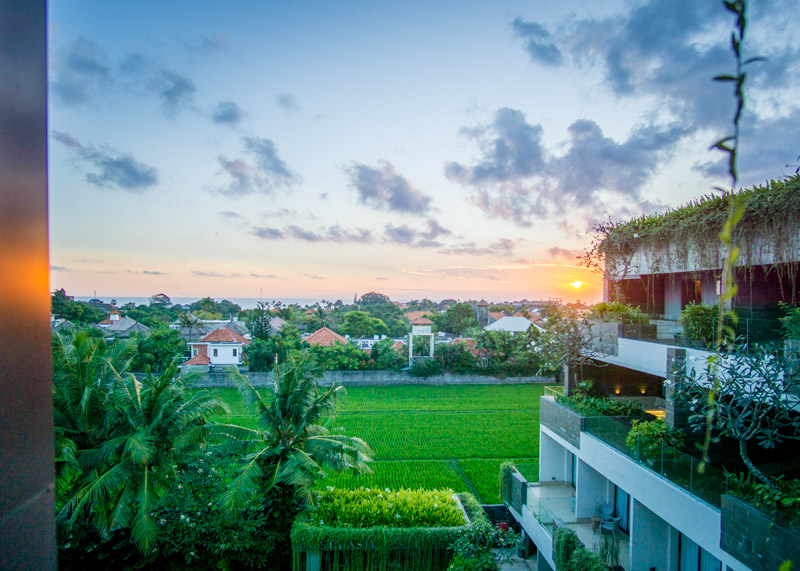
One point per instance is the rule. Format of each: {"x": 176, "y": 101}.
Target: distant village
{"x": 217, "y": 333}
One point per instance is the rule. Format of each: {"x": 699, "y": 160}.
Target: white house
{"x": 222, "y": 346}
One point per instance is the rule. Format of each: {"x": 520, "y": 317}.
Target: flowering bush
{"x": 365, "y": 507}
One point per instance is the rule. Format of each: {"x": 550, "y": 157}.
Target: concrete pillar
{"x": 552, "y": 460}
{"x": 410, "y": 348}
{"x": 431, "y": 351}
{"x": 649, "y": 545}
{"x": 675, "y": 415}
{"x": 592, "y": 492}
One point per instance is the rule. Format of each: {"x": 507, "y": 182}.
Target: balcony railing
{"x": 670, "y": 332}
{"x": 670, "y": 463}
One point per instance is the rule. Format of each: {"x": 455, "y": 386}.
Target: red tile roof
{"x": 224, "y": 335}
{"x": 325, "y": 337}
{"x": 470, "y": 344}
{"x": 198, "y": 360}
{"x": 497, "y": 315}
{"x": 412, "y": 315}
{"x": 422, "y": 321}
{"x": 399, "y": 346}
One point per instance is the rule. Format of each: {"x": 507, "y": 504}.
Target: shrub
{"x": 474, "y": 549}
{"x": 365, "y": 507}
{"x": 581, "y": 401}
{"x": 782, "y": 503}
{"x": 565, "y": 542}
{"x": 424, "y": 368}
{"x": 456, "y": 357}
{"x": 617, "y": 312}
{"x": 699, "y": 322}
{"x": 791, "y": 322}
{"x": 649, "y": 437}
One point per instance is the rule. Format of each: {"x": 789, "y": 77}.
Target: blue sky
{"x": 448, "y": 149}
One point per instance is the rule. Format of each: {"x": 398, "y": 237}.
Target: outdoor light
{"x": 616, "y": 391}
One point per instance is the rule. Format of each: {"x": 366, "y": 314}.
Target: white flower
{"x": 435, "y": 505}
{"x": 397, "y": 516}
{"x": 183, "y": 517}
{"x": 162, "y": 521}
{"x": 368, "y": 490}
{"x": 386, "y": 490}
{"x": 380, "y": 496}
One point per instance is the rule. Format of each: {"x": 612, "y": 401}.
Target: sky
{"x": 420, "y": 149}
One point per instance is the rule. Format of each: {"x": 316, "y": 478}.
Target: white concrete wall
{"x": 224, "y": 354}
{"x": 592, "y": 491}
{"x": 537, "y": 533}
{"x": 640, "y": 356}
{"x": 553, "y": 460}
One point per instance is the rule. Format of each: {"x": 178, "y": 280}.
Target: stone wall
{"x": 368, "y": 379}
{"x": 754, "y": 538}
{"x": 562, "y": 421}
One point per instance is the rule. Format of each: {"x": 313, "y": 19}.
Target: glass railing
{"x": 747, "y": 331}
{"x": 543, "y": 514}
{"x": 676, "y": 466}
{"x": 554, "y": 392}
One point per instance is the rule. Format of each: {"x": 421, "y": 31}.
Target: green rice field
{"x": 426, "y": 436}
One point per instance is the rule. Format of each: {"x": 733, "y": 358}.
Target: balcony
{"x": 552, "y": 505}
{"x": 669, "y": 463}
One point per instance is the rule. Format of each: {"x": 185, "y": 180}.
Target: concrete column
{"x": 649, "y": 543}
{"x": 552, "y": 460}
{"x": 592, "y": 491}
{"x": 675, "y": 415}
{"x": 431, "y": 351}
{"x": 410, "y": 348}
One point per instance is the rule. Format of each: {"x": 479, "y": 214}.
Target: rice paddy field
{"x": 426, "y": 436}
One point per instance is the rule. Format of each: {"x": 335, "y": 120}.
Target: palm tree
{"x": 291, "y": 445}
{"x": 188, "y": 321}
{"x": 119, "y": 451}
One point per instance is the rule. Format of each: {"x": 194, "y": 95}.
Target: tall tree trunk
{"x": 752, "y": 467}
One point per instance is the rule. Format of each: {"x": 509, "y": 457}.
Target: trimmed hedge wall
{"x": 379, "y": 548}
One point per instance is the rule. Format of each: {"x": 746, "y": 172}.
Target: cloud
{"x": 174, "y": 89}
{"x": 287, "y": 102}
{"x": 203, "y": 274}
{"x": 515, "y": 178}
{"x": 312, "y": 277}
{"x": 79, "y": 70}
{"x": 209, "y": 43}
{"x": 54, "y": 268}
{"x": 264, "y": 276}
{"x": 279, "y": 213}
{"x": 501, "y": 247}
{"x": 538, "y": 42}
{"x": 558, "y": 252}
{"x": 381, "y": 279}
{"x": 268, "y": 233}
{"x": 113, "y": 169}
{"x": 670, "y": 50}
{"x": 147, "y": 272}
{"x": 227, "y": 113}
{"x": 423, "y": 238}
{"x": 230, "y": 215}
{"x": 383, "y": 188}
{"x": 334, "y": 234}
{"x": 262, "y": 173}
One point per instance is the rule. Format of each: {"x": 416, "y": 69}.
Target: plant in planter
{"x": 616, "y": 312}
{"x": 698, "y": 322}
{"x": 791, "y": 321}
{"x": 653, "y": 438}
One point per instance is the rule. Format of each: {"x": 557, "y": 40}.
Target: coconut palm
{"x": 121, "y": 457}
{"x": 187, "y": 320}
{"x": 291, "y": 444}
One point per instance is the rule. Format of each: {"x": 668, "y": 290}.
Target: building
{"x": 511, "y": 324}
{"x": 658, "y": 510}
{"x": 222, "y": 346}
{"x": 325, "y": 337}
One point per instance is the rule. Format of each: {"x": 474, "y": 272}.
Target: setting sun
{"x": 577, "y": 284}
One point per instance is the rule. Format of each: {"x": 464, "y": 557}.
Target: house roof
{"x": 513, "y": 324}
{"x": 224, "y": 335}
{"x": 126, "y": 323}
{"x": 325, "y": 337}
{"x": 198, "y": 360}
{"x": 412, "y": 315}
{"x": 497, "y": 315}
{"x": 470, "y": 343}
{"x": 399, "y": 346}
{"x": 422, "y": 321}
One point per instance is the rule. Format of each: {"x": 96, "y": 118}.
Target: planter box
{"x": 754, "y": 538}
{"x": 562, "y": 421}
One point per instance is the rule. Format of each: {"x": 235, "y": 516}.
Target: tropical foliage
{"x": 119, "y": 439}
{"x": 291, "y": 444}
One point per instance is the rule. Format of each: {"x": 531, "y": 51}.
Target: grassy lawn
{"x": 453, "y": 436}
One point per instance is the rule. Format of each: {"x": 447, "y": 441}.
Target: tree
{"x": 187, "y": 320}
{"x": 158, "y": 350}
{"x": 361, "y": 324}
{"x": 161, "y": 300}
{"x": 567, "y": 340}
{"x": 386, "y": 357}
{"x": 258, "y": 321}
{"x": 118, "y": 439}
{"x": 458, "y": 319}
{"x": 291, "y": 445}
{"x": 753, "y": 400}
{"x": 611, "y": 253}
{"x": 340, "y": 357}
{"x": 456, "y": 356}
